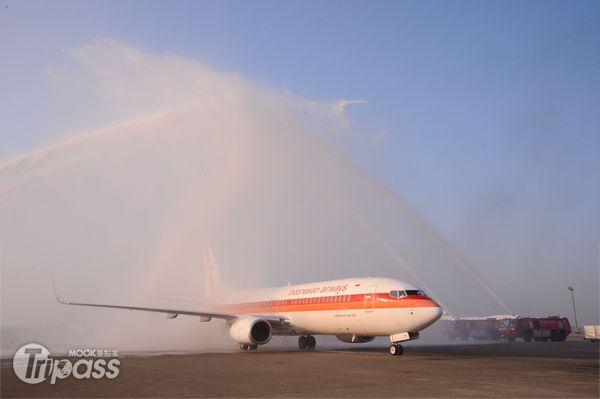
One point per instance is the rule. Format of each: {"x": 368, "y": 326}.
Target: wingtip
{"x": 55, "y": 290}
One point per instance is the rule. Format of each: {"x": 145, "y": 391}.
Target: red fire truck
{"x": 553, "y": 328}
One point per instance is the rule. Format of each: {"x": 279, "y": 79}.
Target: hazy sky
{"x": 483, "y": 116}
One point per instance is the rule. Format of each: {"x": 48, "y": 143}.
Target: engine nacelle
{"x": 250, "y": 331}
{"x": 354, "y": 339}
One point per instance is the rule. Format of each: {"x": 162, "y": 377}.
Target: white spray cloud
{"x": 380, "y": 135}
{"x": 182, "y": 152}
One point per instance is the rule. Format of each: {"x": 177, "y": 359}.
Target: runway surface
{"x": 540, "y": 369}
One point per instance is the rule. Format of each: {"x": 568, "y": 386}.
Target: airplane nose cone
{"x": 437, "y": 313}
{"x": 429, "y": 315}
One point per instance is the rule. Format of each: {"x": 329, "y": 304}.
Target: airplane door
{"x": 370, "y": 298}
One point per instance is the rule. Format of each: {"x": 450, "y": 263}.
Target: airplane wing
{"x": 158, "y": 310}
{"x": 278, "y": 323}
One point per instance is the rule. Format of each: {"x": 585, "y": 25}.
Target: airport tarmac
{"x": 532, "y": 370}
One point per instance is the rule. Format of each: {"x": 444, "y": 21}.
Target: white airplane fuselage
{"x": 362, "y": 306}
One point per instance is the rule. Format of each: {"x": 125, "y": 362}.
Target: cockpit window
{"x": 415, "y": 292}
{"x": 397, "y": 293}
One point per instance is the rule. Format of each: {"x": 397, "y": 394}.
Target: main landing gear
{"x": 245, "y": 347}
{"x": 396, "y": 349}
{"x": 306, "y": 342}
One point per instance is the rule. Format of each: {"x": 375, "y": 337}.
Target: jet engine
{"x": 250, "y": 331}
{"x": 354, "y": 339}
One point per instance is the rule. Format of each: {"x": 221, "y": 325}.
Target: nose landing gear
{"x": 396, "y": 349}
{"x": 307, "y": 342}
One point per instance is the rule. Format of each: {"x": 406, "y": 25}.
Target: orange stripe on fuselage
{"x": 338, "y": 302}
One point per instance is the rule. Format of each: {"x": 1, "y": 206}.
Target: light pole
{"x": 574, "y": 311}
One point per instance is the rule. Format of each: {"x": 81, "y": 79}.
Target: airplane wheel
{"x": 396, "y": 349}
{"x": 252, "y": 347}
{"x": 302, "y": 342}
{"x": 244, "y": 347}
{"x": 311, "y": 342}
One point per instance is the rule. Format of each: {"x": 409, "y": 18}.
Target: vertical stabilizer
{"x": 214, "y": 287}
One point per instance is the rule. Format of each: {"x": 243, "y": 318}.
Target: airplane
{"x": 355, "y": 310}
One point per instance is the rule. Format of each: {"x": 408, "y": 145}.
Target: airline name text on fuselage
{"x": 318, "y": 290}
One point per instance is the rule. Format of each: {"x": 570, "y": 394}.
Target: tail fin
{"x": 213, "y": 284}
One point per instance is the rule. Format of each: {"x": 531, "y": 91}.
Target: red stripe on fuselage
{"x": 336, "y": 302}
